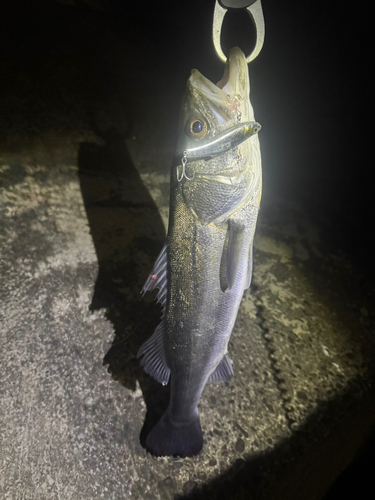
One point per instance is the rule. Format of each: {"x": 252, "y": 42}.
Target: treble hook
{"x": 183, "y": 163}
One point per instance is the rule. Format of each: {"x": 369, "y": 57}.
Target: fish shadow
{"x": 128, "y": 233}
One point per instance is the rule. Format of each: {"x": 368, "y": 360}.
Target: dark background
{"x": 311, "y": 91}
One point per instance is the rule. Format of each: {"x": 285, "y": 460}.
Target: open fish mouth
{"x": 227, "y": 95}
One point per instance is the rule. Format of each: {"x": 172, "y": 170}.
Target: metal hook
{"x": 254, "y": 9}
{"x": 183, "y": 163}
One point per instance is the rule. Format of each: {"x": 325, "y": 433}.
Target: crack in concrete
{"x": 275, "y": 365}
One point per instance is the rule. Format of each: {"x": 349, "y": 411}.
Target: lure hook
{"x": 183, "y": 163}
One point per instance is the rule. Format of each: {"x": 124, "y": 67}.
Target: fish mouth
{"x": 235, "y": 80}
{"x": 232, "y": 88}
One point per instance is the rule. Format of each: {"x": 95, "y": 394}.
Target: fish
{"x": 206, "y": 262}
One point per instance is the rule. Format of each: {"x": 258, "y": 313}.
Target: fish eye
{"x": 196, "y": 128}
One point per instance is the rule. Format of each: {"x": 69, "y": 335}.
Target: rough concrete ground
{"x": 87, "y": 141}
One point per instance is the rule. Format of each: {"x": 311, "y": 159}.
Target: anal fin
{"x": 224, "y": 371}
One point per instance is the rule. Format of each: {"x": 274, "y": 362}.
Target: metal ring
{"x": 256, "y": 14}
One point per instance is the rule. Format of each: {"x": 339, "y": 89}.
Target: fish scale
{"x": 206, "y": 262}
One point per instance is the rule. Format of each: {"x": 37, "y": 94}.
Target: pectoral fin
{"x": 235, "y": 246}
{"x": 249, "y": 267}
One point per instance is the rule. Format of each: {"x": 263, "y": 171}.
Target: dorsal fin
{"x": 224, "y": 371}
{"x": 153, "y": 356}
{"x": 158, "y": 277}
{"x": 152, "y": 351}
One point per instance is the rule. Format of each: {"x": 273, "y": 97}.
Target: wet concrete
{"x": 87, "y": 138}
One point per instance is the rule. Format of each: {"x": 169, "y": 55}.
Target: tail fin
{"x": 168, "y": 438}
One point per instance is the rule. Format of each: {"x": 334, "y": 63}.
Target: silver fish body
{"x": 206, "y": 263}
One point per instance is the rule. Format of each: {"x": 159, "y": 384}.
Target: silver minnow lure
{"x": 206, "y": 262}
{"x": 223, "y": 142}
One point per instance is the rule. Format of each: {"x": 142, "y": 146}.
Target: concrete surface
{"x": 87, "y": 139}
